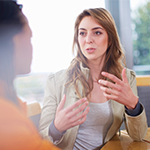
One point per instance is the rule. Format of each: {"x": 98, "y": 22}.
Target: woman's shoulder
{"x": 131, "y": 75}
{"x": 59, "y": 76}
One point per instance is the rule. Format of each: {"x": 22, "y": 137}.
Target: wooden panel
{"x": 124, "y": 142}
{"x": 143, "y": 80}
{"x": 33, "y": 109}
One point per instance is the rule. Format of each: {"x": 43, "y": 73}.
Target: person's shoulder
{"x": 130, "y": 73}
{"x": 7, "y": 106}
{"x": 58, "y": 76}
{"x": 10, "y": 110}
{"x": 60, "y": 73}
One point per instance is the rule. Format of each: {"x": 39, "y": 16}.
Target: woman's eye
{"x": 82, "y": 33}
{"x": 98, "y": 33}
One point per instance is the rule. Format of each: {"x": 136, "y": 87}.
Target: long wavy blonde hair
{"x": 114, "y": 60}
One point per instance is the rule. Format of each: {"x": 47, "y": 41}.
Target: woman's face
{"x": 93, "y": 39}
{"x": 23, "y": 51}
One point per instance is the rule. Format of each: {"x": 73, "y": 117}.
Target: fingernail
{"x": 85, "y": 99}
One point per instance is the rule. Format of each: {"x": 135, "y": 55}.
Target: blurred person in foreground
{"x": 17, "y": 132}
{"x": 97, "y": 79}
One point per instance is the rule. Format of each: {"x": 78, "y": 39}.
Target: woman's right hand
{"x": 71, "y": 116}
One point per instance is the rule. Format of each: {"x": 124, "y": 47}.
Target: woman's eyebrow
{"x": 82, "y": 29}
{"x": 95, "y": 28}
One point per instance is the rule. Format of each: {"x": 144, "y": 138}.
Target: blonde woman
{"x": 85, "y": 105}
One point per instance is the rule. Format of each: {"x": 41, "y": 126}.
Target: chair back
{"x": 34, "y": 112}
{"x": 143, "y": 87}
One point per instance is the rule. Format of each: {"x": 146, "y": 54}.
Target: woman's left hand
{"x": 119, "y": 91}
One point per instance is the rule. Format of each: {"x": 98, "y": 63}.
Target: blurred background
{"x": 52, "y": 24}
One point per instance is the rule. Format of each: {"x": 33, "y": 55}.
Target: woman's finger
{"x": 111, "y": 96}
{"x": 83, "y": 114}
{"x": 79, "y": 110}
{"x": 75, "y": 105}
{"x": 61, "y": 104}
{"x": 110, "y": 91}
{"x": 79, "y": 119}
{"x": 109, "y": 84}
{"x": 112, "y": 77}
{"x": 124, "y": 77}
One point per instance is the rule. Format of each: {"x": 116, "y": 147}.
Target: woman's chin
{"x": 23, "y": 72}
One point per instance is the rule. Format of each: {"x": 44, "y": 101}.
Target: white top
{"x": 92, "y": 132}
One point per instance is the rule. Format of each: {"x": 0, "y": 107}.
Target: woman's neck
{"x": 7, "y": 92}
{"x": 96, "y": 68}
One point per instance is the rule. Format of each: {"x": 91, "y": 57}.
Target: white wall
{"x": 52, "y": 23}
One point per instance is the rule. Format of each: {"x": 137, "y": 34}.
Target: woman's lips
{"x": 90, "y": 50}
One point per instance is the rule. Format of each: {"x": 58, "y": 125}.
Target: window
{"x": 52, "y": 24}
{"x": 141, "y": 35}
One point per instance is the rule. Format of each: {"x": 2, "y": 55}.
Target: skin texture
{"x": 70, "y": 116}
{"x": 92, "y": 36}
{"x": 23, "y": 51}
{"x": 119, "y": 91}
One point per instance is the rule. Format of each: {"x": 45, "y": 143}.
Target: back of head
{"x": 11, "y": 23}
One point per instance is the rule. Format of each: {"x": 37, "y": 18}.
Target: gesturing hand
{"x": 71, "y": 116}
{"x": 119, "y": 91}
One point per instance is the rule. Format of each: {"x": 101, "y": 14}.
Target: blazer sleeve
{"x": 136, "y": 126}
{"x": 49, "y": 108}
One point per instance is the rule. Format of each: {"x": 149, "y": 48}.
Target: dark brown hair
{"x": 12, "y": 21}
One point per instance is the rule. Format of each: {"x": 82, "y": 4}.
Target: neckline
{"x": 99, "y": 103}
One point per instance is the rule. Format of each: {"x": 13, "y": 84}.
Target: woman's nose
{"x": 89, "y": 39}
